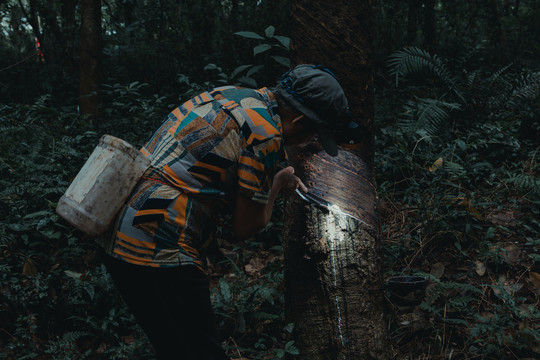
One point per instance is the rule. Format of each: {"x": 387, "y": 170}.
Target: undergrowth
{"x": 57, "y": 300}
{"x": 458, "y": 173}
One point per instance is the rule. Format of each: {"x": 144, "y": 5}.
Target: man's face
{"x": 299, "y": 132}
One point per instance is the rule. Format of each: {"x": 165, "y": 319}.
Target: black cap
{"x": 315, "y": 92}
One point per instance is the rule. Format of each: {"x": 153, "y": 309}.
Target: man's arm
{"x": 251, "y": 216}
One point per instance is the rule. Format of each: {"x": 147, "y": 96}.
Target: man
{"x": 220, "y": 151}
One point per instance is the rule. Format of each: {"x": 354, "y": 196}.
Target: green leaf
{"x": 73, "y": 274}
{"x": 284, "y": 40}
{"x": 289, "y": 327}
{"x": 250, "y": 82}
{"x": 91, "y": 291}
{"x": 265, "y": 316}
{"x": 282, "y": 60}
{"x": 291, "y": 349}
{"x": 456, "y": 322}
{"x": 260, "y": 49}
{"x": 239, "y": 69}
{"x": 212, "y": 67}
{"x": 254, "y": 70}
{"x": 50, "y": 234}
{"x": 269, "y": 31}
{"x": 249, "y": 35}
{"x": 36, "y": 214}
{"x": 225, "y": 290}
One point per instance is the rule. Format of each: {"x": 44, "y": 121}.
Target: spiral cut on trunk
{"x": 334, "y": 294}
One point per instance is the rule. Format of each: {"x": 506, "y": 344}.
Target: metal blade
{"x": 314, "y": 199}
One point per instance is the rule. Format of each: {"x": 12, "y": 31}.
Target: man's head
{"x": 315, "y": 92}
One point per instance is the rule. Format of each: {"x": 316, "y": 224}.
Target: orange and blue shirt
{"x": 221, "y": 143}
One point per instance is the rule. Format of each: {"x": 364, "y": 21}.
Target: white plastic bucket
{"x": 102, "y": 185}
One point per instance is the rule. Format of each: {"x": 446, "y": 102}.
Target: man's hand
{"x": 285, "y": 180}
{"x": 250, "y": 216}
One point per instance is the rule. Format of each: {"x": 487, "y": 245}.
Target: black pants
{"x": 173, "y": 307}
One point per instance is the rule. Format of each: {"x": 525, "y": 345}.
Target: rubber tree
{"x": 90, "y": 58}
{"x": 333, "y": 277}
{"x": 430, "y": 26}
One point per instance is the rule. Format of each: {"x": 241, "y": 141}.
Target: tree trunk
{"x": 333, "y": 261}
{"x": 90, "y": 59}
{"x": 412, "y": 20}
{"x": 333, "y": 265}
{"x": 430, "y": 26}
{"x": 69, "y": 30}
{"x": 32, "y": 18}
{"x": 339, "y": 35}
{"x": 472, "y": 10}
{"x": 506, "y": 7}
{"x": 498, "y": 37}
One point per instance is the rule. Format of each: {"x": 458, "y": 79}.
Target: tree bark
{"x": 333, "y": 274}
{"x": 430, "y": 26}
{"x": 333, "y": 262}
{"x": 516, "y": 7}
{"x": 32, "y": 19}
{"x": 339, "y": 35}
{"x": 472, "y": 10}
{"x": 69, "y": 32}
{"x": 412, "y": 20}
{"x": 498, "y": 37}
{"x": 90, "y": 59}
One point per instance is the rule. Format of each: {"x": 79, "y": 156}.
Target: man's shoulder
{"x": 237, "y": 94}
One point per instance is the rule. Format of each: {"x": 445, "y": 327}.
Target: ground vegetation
{"x": 457, "y": 103}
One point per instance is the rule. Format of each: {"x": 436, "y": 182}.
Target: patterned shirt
{"x": 221, "y": 143}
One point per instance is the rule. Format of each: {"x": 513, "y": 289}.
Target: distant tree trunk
{"x": 32, "y": 18}
{"x": 333, "y": 262}
{"x": 234, "y": 15}
{"x": 430, "y": 26}
{"x": 506, "y": 7}
{"x": 472, "y": 10}
{"x": 498, "y": 36}
{"x": 412, "y": 20}
{"x": 54, "y": 31}
{"x": 68, "y": 30}
{"x": 90, "y": 58}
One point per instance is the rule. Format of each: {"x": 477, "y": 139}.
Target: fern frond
{"x": 72, "y": 336}
{"x": 472, "y": 79}
{"x": 498, "y": 74}
{"x": 414, "y": 60}
{"x": 11, "y": 129}
{"x": 426, "y": 115}
{"x": 527, "y": 87}
{"x": 525, "y": 183}
{"x": 410, "y": 61}
{"x": 454, "y": 169}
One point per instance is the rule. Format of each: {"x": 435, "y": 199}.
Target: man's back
{"x": 216, "y": 145}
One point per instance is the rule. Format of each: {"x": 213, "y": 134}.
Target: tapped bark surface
{"x": 332, "y": 261}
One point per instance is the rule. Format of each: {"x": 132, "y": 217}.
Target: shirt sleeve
{"x": 257, "y": 166}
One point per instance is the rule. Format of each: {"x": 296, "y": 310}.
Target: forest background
{"x": 457, "y": 104}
